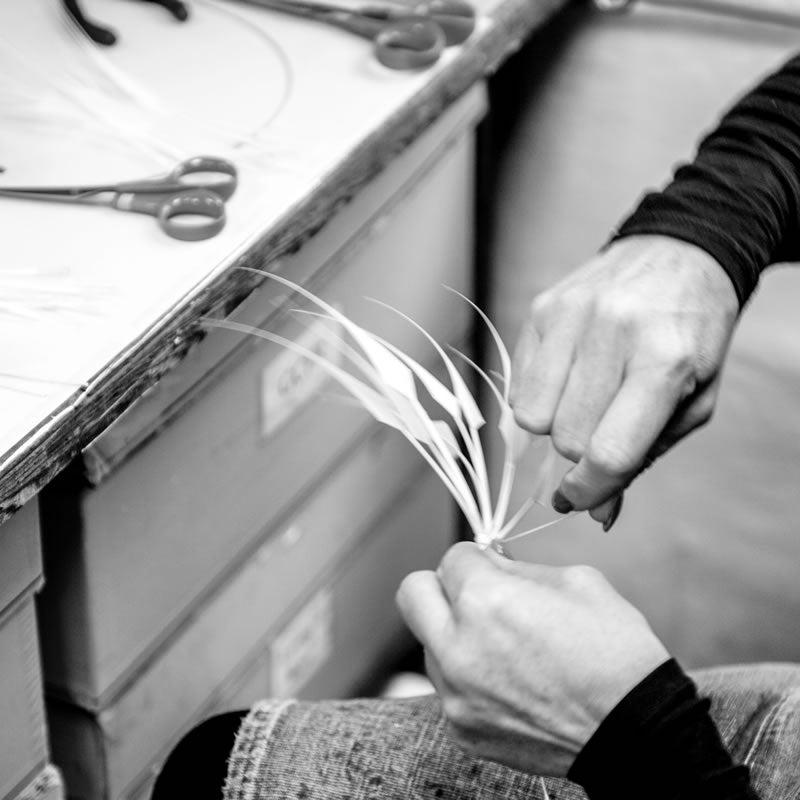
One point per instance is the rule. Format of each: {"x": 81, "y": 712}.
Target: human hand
{"x": 621, "y": 360}
{"x": 527, "y": 659}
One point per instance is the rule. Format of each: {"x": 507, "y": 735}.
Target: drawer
{"x": 356, "y": 603}
{"x": 47, "y": 785}
{"x": 23, "y": 738}
{"x": 126, "y": 559}
{"x": 20, "y": 554}
{"x": 365, "y": 624}
{"x": 103, "y": 752}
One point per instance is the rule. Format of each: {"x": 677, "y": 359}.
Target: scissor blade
{"x": 300, "y": 7}
{"x": 63, "y": 193}
{"x": 54, "y": 194}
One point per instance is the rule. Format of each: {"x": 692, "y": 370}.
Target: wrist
{"x": 660, "y": 742}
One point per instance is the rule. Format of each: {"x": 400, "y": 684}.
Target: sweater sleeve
{"x": 739, "y": 199}
{"x": 660, "y": 743}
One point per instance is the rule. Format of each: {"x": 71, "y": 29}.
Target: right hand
{"x": 621, "y": 360}
{"x": 527, "y": 659}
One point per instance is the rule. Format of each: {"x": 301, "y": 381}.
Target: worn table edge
{"x": 48, "y": 448}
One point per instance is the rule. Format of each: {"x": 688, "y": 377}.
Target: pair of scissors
{"x": 405, "y": 36}
{"x": 188, "y": 202}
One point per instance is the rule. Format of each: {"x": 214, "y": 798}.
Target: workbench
{"x": 182, "y": 479}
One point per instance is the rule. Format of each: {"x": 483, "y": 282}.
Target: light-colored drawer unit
{"x": 268, "y": 631}
{"x": 161, "y": 506}
{"x": 23, "y": 737}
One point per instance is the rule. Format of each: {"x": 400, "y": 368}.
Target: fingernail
{"x": 612, "y": 517}
{"x": 560, "y": 503}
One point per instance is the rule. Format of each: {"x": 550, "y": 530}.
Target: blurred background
{"x": 596, "y": 110}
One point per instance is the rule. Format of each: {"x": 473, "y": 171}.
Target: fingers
{"x": 593, "y": 382}
{"x": 424, "y": 607}
{"x": 620, "y": 444}
{"x": 471, "y": 576}
{"x": 463, "y": 562}
{"x": 608, "y": 512}
{"x": 539, "y": 374}
{"x": 690, "y": 414}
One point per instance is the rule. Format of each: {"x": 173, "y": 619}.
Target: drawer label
{"x": 290, "y": 380}
{"x": 303, "y": 646}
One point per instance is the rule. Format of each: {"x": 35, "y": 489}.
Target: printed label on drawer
{"x": 303, "y": 646}
{"x": 291, "y": 379}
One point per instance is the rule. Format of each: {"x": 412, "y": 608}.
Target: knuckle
{"x": 478, "y": 598}
{"x": 489, "y": 597}
{"x": 617, "y": 308}
{"x": 672, "y": 354}
{"x": 567, "y": 442}
{"x": 532, "y": 419}
{"x": 610, "y": 459}
{"x": 582, "y": 578}
{"x": 452, "y": 555}
{"x": 541, "y": 305}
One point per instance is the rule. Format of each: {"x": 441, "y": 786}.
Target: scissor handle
{"x": 411, "y": 43}
{"x": 191, "y": 215}
{"x": 455, "y": 17}
{"x": 222, "y": 175}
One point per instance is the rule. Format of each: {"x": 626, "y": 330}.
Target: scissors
{"x": 405, "y": 36}
{"x": 186, "y": 209}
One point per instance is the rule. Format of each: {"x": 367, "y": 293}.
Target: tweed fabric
{"x": 380, "y": 749}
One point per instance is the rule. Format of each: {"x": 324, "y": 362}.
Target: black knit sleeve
{"x": 660, "y": 743}
{"x": 739, "y": 199}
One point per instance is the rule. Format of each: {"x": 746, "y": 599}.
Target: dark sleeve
{"x": 739, "y": 200}
{"x": 660, "y": 743}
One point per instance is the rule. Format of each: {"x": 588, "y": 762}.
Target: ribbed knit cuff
{"x": 660, "y": 743}
{"x": 658, "y": 215}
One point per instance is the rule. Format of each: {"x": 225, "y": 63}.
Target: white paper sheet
{"x": 286, "y": 99}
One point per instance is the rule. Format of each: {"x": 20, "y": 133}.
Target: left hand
{"x": 622, "y": 359}
{"x": 527, "y": 659}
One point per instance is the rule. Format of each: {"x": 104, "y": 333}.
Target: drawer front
{"x": 23, "y": 739}
{"x": 365, "y": 628}
{"x": 126, "y": 559}
{"x": 234, "y": 624}
{"x": 20, "y": 554}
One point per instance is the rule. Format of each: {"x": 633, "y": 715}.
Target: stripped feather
{"x": 451, "y": 446}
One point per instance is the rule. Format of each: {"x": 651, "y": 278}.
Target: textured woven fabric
{"x": 393, "y": 749}
{"x": 353, "y": 749}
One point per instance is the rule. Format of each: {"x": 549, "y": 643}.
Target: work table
{"x": 188, "y": 522}
{"x": 81, "y": 377}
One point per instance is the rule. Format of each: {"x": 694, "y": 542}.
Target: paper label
{"x": 291, "y": 379}
{"x": 303, "y": 646}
